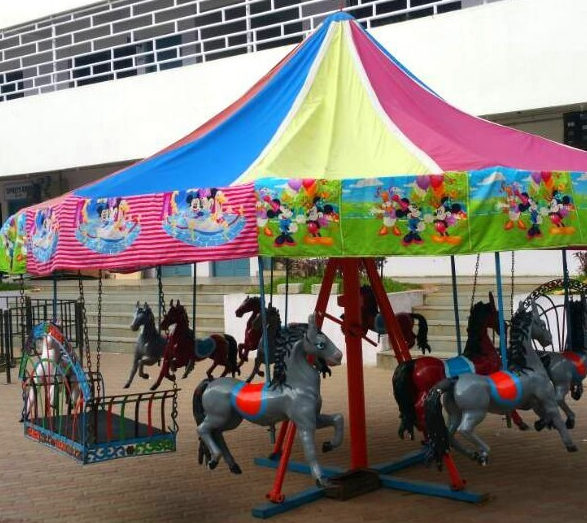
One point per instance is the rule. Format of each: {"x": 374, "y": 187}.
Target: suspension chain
{"x": 174, "y": 408}
{"x": 99, "y": 337}
{"x": 22, "y": 303}
{"x": 475, "y": 281}
{"x": 161, "y": 294}
{"x": 86, "y": 340}
{"x": 513, "y": 282}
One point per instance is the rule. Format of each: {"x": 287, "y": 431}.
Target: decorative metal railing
{"x": 122, "y": 38}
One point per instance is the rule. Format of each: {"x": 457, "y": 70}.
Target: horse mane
{"x": 475, "y": 330}
{"x": 285, "y": 340}
{"x": 519, "y": 331}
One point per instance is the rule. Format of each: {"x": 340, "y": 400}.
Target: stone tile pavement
{"x": 530, "y": 476}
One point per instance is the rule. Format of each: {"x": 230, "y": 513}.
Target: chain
{"x": 99, "y": 338}
{"x": 475, "y": 281}
{"x": 174, "y": 408}
{"x": 513, "y": 281}
{"x": 22, "y": 301}
{"x": 86, "y": 340}
{"x": 161, "y": 294}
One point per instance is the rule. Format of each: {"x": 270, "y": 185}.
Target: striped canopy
{"x": 338, "y": 151}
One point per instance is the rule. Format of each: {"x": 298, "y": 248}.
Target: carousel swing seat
{"x": 65, "y": 407}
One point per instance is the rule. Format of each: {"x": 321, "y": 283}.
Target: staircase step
{"x": 386, "y": 358}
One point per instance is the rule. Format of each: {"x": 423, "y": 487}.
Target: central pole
{"x": 354, "y": 355}
{"x": 502, "y": 333}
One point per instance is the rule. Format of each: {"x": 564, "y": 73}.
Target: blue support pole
{"x": 567, "y": 316}
{"x": 502, "y": 335}
{"x": 54, "y": 298}
{"x": 194, "y": 292}
{"x": 286, "y": 289}
{"x": 264, "y": 321}
{"x": 455, "y": 301}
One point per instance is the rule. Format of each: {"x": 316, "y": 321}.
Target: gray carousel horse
{"x": 567, "y": 369}
{"x": 149, "y": 345}
{"x": 293, "y": 394}
{"x": 470, "y": 397}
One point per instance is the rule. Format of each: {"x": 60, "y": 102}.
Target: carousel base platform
{"x": 345, "y": 484}
{"x": 99, "y": 436}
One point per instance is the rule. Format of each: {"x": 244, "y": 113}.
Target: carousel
{"x": 338, "y": 152}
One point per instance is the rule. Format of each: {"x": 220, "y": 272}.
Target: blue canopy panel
{"x": 219, "y": 157}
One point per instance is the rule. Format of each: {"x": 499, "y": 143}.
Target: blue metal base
{"x": 387, "y": 481}
{"x": 430, "y": 489}
{"x": 268, "y": 510}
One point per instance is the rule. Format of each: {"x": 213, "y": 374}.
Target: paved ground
{"x": 531, "y": 477}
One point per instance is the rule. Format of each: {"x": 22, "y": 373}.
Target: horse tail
{"x": 199, "y": 415}
{"x": 232, "y": 353}
{"x": 422, "y": 335}
{"x": 438, "y": 436}
{"x": 404, "y": 396}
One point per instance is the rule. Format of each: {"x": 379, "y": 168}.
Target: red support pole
{"x": 324, "y": 295}
{"x": 276, "y": 496}
{"x": 398, "y": 343}
{"x": 354, "y": 354}
{"x": 278, "y": 447}
{"x": 456, "y": 481}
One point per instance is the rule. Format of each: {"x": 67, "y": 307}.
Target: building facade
{"x": 88, "y": 88}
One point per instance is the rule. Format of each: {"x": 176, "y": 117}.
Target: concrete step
{"x": 151, "y": 299}
{"x": 126, "y": 343}
{"x": 386, "y": 358}
{"x": 215, "y": 324}
{"x": 445, "y": 298}
{"x": 446, "y": 312}
{"x": 126, "y": 310}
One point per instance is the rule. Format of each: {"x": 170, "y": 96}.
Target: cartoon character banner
{"x": 13, "y": 248}
{"x": 44, "y": 234}
{"x": 514, "y": 209}
{"x": 405, "y": 215}
{"x": 202, "y": 217}
{"x": 106, "y": 225}
{"x": 298, "y": 217}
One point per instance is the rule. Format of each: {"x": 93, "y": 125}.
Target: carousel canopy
{"x": 338, "y": 151}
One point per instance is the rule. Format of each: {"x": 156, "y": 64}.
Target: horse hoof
{"x": 482, "y": 459}
{"x": 327, "y": 446}
{"x": 570, "y": 423}
{"x": 539, "y": 425}
{"x": 153, "y": 387}
{"x": 572, "y": 448}
{"x": 524, "y": 426}
{"x": 212, "y": 464}
{"x": 127, "y": 386}
{"x": 235, "y": 469}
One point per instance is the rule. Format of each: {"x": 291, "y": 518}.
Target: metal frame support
{"x": 569, "y": 340}
{"x": 264, "y": 321}
{"x": 455, "y": 302}
{"x": 502, "y": 333}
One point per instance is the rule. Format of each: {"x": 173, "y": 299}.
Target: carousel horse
{"x": 293, "y": 394}
{"x": 371, "y": 319}
{"x": 182, "y": 350}
{"x": 567, "y": 369}
{"x": 469, "y": 397}
{"x": 149, "y": 345}
{"x": 412, "y": 380}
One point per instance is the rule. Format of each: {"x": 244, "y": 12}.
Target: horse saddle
{"x": 249, "y": 399}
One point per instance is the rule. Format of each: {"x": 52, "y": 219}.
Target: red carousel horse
{"x": 412, "y": 380}
{"x": 253, "y": 333}
{"x": 181, "y": 350}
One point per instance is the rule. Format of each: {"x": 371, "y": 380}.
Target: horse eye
{"x": 320, "y": 345}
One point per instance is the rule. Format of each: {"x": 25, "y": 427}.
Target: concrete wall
{"x": 301, "y": 305}
{"x": 511, "y": 55}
